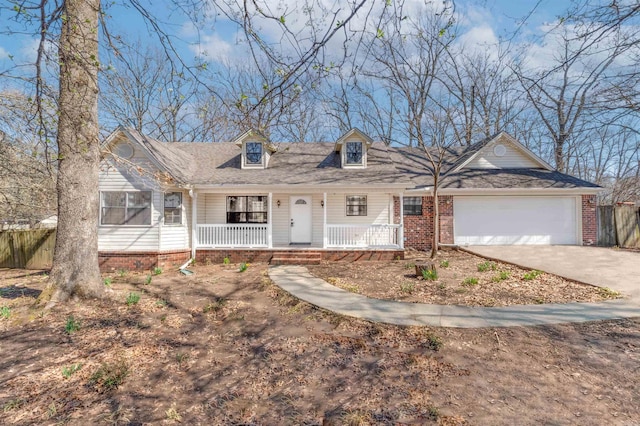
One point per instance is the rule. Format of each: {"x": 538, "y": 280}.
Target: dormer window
{"x": 354, "y": 152}
{"x": 253, "y": 153}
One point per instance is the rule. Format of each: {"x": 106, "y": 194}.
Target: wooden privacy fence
{"x": 30, "y": 249}
{"x": 619, "y": 226}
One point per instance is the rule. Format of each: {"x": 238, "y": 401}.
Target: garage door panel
{"x": 514, "y": 220}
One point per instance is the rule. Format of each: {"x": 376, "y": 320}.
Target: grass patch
{"x": 157, "y": 270}
{"x": 430, "y": 274}
{"x": 470, "y": 281}
{"x": 107, "y": 281}
{"x": 444, "y": 264}
{"x": 172, "y": 414}
{"x": 71, "y": 325}
{"x": 608, "y": 293}
{"x": 109, "y": 376}
{"x": 12, "y": 404}
{"x": 215, "y": 306}
{"x": 132, "y": 299}
{"x": 5, "y": 312}
{"x": 531, "y": 275}
{"x": 67, "y": 372}
{"x": 502, "y": 275}
{"x": 407, "y": 287}
{"x": 486, "y": 266}
{"x": 148, "y": 279}
{"x": 122, "y": 273}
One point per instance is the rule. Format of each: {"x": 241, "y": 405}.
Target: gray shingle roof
{"x": 318, "y": 164}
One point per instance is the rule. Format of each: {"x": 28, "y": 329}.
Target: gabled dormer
{"x": 256, "y": 150}
{"x": 353, "y": 147}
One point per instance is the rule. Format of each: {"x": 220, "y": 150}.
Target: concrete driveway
{"x": 604, "y": 267}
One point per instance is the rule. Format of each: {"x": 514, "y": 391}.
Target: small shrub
{"x": 430, "y": 274}
{"x": 226, "y": 261}
{"x": 503, "y": 275}
{"x": 122, "y": 272}
{"x": 157, "y": 270}
{"x": 133, "y": 298}
{"x": 485, "y": 266}
{"x": 243, "y": 267}
{"x": 5, "y": 312}
{"x": 444, "y": 264}
{"x": 109, "y": 376}
{"x": 470, "y": 281}
{"x": 147, "y": 280}
{"x": 407, "y": 287}
{"x": 67, "y": 372}
{"x": 107, "y": 281}
{"x": 531, "y": 275}
{"x": 72, "y": 325}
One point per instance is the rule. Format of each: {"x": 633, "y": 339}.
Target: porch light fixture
{"x": 278, "y": 203}
{"x": 322, "y": 203}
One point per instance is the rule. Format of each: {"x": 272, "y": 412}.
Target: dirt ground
{"x": 229, "y": 348}
{"x": 463, "y": 279}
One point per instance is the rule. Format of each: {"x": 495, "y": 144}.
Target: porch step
{"x": 296, "y": 258}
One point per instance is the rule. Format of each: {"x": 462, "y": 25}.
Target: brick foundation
{"x": 265, "y": 255}
{"x": 142, "y": 260}
{"x": 589, "y": 224}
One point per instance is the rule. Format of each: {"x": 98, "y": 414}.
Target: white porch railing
{"x": 233, "y": 235}
{"x": 345, "y": 236}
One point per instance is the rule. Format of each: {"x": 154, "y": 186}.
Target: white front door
{"x": 300, "y": 219}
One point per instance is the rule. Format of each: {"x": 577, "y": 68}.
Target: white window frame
{"x": 150, "y": 224}
{"x": 181, "y": 208}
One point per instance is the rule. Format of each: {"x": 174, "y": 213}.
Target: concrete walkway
{"x": 300, "y": 283}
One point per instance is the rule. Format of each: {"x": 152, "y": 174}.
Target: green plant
{"x": 444, "y": 264}
{"x": 172, "y": 414}
{"x": 433, "y": 413}
{"x": 122, "y": 272}
{"x": 485, "y": 266}
{"x": 217, "y": 304}
{"x": 109, "y": 376}
{"x": 351, "y": 288}
{"x": 430, "y": 274}
{"x": 5, "y": 312}
{"x": 12, "y": 404}
{"x": 433, "y": 342}
{"x": 133, "y": 298}
{"x": 226, "y": 261}
{"x": 607, "y": 292}
{"x": 161, "y": 303}
{"x": 243, "y": 267}
{"x": 107, "y": 281}
{"x": 147, "y": 280}
{"x": 442, "y": 286}
{"x": 72, "y": 325}
{"x": 407, "y": 287}
{"x": 469, "y": 281}
{"x": 531, "y": 275}
{"x": 502, "y": 275}
{"x": 157, "y": 270}
{"x": 69, "y": 371}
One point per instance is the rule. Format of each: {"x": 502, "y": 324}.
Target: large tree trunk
{"x": 75, "y": 262}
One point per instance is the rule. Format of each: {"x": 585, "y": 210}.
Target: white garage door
{"x": 514, "y": 220}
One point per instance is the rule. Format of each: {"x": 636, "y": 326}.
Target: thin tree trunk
{"x": 436, "y": 221}
{"x": 75, "y": 269}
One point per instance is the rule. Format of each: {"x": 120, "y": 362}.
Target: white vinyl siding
{"x": 177, "y": 237}
{"x": 129, "y": 238}
{"x": 507, "y": 220}
{"x": 512, "y": 159}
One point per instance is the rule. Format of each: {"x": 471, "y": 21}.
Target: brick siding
{"x": 141, "y": 260}
{"x": 418, "y": 230}
{"x": 265, "y": 255}
{"x": 589, "y": 224}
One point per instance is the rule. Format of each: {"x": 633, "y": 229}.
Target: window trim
{"x": 164, "y": 208}
{"x": 347, "y": 205}
{"x": 408, "y": 211}
{"x": 151, "y": 210}
{"x": 246, "y": 211}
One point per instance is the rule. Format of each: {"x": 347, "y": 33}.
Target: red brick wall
{"x": 418, "y": 230}
{"x": 265, "y": 255}
{"x": 589, "y": 225}
{"x": 142, "y": 260}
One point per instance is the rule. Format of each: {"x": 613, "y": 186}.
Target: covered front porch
{"x": 354, "y": 220}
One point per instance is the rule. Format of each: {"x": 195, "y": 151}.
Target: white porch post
{"x": 270, "y": 220}
{"x": 324, "y": 220}
{"x": 401, "y": 230}
{"x": 194, "y": 222}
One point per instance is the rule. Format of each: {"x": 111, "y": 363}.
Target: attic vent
{"x": 124, "y": 150}
{"x": 301, "y": 201}
{"x": 500, "y": 150}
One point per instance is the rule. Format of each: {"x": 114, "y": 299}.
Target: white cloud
{"x": 213, "y": 47}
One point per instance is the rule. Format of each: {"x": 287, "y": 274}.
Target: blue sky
{"x": 482, "y": 20}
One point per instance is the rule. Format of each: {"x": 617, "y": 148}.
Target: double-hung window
{"x": 173, "y": 208}
{"x": 354, "y": 152}
{"x": 253, "y": 152}
{"x": 125, "y": 208}
{"x": 247, "y": 209}
{"x": 356, "y": 205}
{"x": 412, "y": 206}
